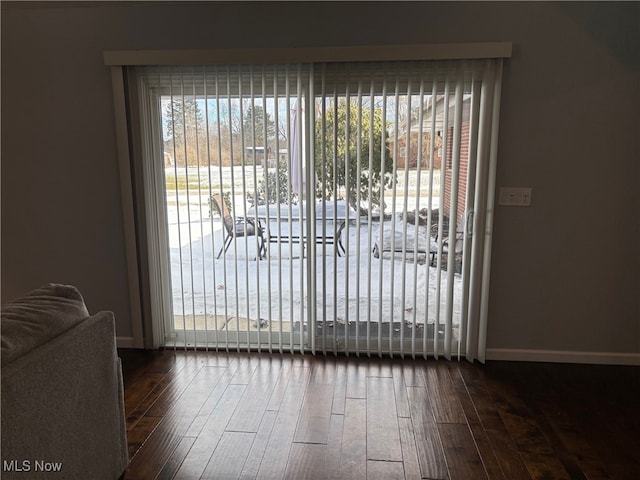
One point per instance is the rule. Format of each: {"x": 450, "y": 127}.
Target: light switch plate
{"x": 515, "y": 196}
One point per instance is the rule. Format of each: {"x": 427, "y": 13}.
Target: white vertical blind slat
{"x": 347, "y": 134}
{"x": 443, "y": 169}
{"x": 305, "y": 227}
{"x": 358, "y": 219}
{"x": 419, "y": 160}
{"x": 453, "y": 214}
{"x": 496, "y": 84}
{"x": 174, "y": 147}
{"x": 339, "y": 342}
{"x": 251, "y": 79}
{"x": 309, "y": 194}
{"x": 289, "y": 208}
{"x": 224, "y": 257}
{"x": 276, "y": 109}
{"x": 202, "y": 235}
{"x": 213, "y": 241}
{"x": 479, "y": 219}
{"x": 432, "y": 159}
{"x": 199, "y": 194}
{"x": 406, "y": 211}
{"x": 383, "y": 154}
{"x": 156, "y": 216}
{"x": 370, "y": 238}
{"x": 474, "y": 112}
{"x": 394, "y": 194}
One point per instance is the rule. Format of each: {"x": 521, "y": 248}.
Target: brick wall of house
{"x": 413, "y": 151}
{"x": 464, "y": 164}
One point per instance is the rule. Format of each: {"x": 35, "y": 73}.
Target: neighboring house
{"x": 463, "y": 170}
{"x": 448, "y": 155}
{"x": 413, "y": 149}
{"x": 440, "y": 143}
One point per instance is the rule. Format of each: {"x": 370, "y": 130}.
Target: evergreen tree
{"x": 254, "y": 127}
{"x": 340, "y": 154}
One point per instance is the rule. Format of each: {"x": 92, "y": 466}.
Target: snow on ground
{"x": 357, "y": 286}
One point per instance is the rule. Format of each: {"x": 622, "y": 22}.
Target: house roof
{"x": 439, "y": 107}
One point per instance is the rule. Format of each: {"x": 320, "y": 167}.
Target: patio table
{"x": 287, "y": 224}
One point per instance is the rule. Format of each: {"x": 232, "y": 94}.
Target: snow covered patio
{"x": 239, "y": 292}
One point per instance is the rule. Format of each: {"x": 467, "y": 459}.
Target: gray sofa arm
{"x": 63, "y": 407}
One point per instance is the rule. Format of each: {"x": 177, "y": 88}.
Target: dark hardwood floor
{"x": 193, "y": 415}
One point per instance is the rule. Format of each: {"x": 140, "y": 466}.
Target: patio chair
{"x": 238, "y": 227}
{"x": 446, "y": 247}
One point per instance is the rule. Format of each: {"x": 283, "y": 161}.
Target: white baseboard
{"x": 559, "y": 356}
{"x": 127, "y": 342}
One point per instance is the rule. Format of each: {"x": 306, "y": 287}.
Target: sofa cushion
{"x": 39, "y": 316}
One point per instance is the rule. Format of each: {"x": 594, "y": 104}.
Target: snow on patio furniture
{"x": 397, "y": 240}
{"x": 238, "y": 227}
{"x": 446, "y": 249}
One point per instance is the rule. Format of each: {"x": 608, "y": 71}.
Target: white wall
{"x": 564, "y": 271}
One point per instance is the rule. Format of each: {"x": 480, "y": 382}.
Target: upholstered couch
{"x": 62, "y": 396}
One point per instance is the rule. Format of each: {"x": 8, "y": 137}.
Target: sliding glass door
{"x": 228, "y": 205}
{"x": 398, "y": 144}
{"x": 326, "y": 207}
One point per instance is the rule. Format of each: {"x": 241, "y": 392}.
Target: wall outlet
{"x": 515, "y": 196}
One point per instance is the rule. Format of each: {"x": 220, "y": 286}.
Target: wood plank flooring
{"x": 205, "y": 415}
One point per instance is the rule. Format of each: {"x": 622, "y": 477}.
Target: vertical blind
{"x": 370, "y": 185}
